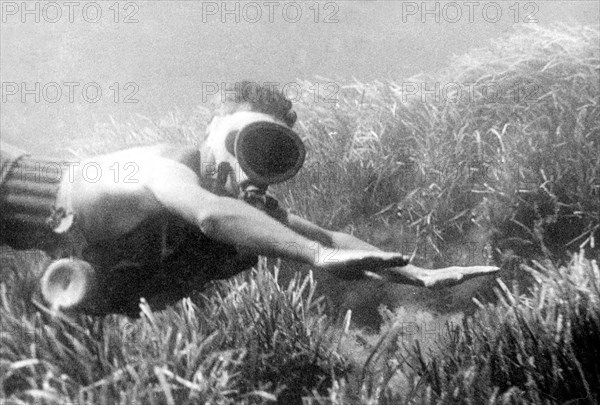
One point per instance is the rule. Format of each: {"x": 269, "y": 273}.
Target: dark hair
{"x": 258, "y": 98}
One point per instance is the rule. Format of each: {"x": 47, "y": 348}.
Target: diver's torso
{"x": 163, "y": 258}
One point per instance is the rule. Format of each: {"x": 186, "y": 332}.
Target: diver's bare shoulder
{"x": 115, "y": 192}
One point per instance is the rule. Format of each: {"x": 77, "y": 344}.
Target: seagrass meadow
{"x": 506, "y": 162}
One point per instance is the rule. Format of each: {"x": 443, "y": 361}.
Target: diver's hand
{"x": 436, "y": 278}
{"x": 454, "y": 275}
{"x": 359, "y": 264}
{"x": 392, "y": 267}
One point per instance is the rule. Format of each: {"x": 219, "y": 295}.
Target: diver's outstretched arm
{"x": 406, "y": 274}
{"x": 237, "y": 223}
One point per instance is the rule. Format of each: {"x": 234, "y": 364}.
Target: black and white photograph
{"x": 305, "y": 202}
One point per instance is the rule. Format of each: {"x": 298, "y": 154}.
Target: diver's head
{"x": 250, "y": 140}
